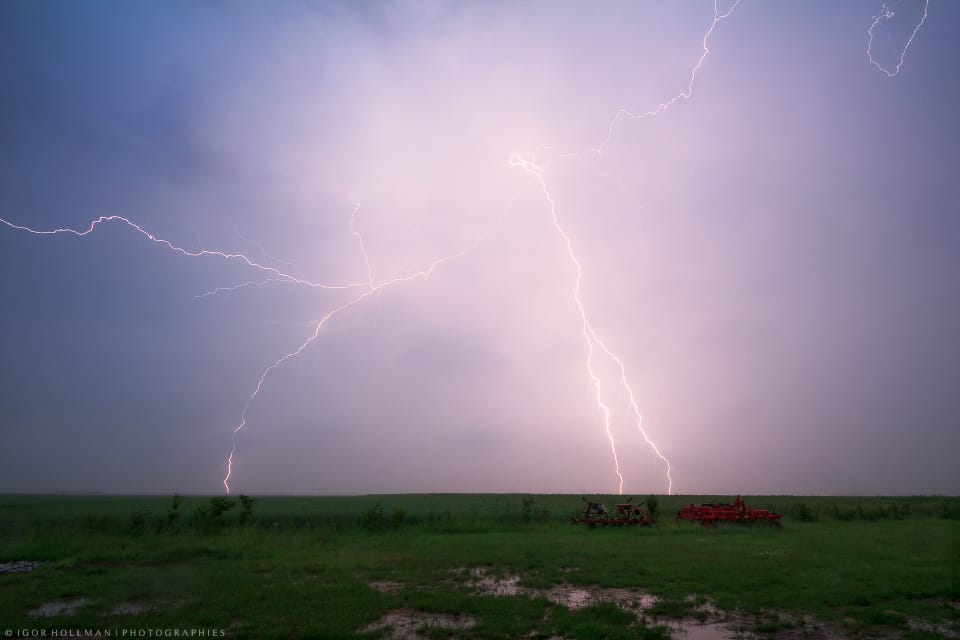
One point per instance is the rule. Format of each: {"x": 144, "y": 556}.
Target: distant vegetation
{"x": 440, "y": 512}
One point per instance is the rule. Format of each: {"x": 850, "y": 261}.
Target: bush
{"x": 173, "y": 513}
{"x": 372, "y": 519}
{"x": 138, "y": 523}
{"x": 948, "y": 510}
{"x": 396, "y": 520}
{"x": 206, "y": 516}
{"x": 800, "y": 511}
{"x": 246, "y": 508}
{"x": 532, "y": 514}
{"x": 653, "y": 506}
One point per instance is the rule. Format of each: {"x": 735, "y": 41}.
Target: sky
{"x": 773, "y": 258}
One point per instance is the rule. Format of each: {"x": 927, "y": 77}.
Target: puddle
{"x": 20, "y": 566}
{"x": 407, "y": 625}
{"x": 132, "y": 608}
{"x": 136, "y": 608}
{"x": 944, "y": 629}
{"x": 704, "y": 621}
{"x": 58, "y": 608}
{"x": 565, "y": 595}
{"x": 493, "y": 586}
{"x": 571, "y": 597}
{"x": 707, "y": 631}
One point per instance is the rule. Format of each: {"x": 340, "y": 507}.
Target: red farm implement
{"x": 627, "y": 514}
{"x": 737, "y": 511}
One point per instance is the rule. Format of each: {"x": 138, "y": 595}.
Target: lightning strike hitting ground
{"x": 593, "y": 340}
{"x": 588, "y": 332}
{"x": 886, "y": 13}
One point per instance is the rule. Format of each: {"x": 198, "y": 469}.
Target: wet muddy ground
{"x": 58, "y": 608}
{"x": 702, "y": 621}
{"x": 20, "y": 566}
{"x": 406, "y": 624}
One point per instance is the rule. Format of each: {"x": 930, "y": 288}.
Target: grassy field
{"x": 329, "y": 566}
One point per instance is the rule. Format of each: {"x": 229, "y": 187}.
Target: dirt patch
{"x": 58, "y": 608}
{"x": 385, "y": 586}
{"x": 136, "y": 608}
{"x": 406, "y": 624}
{"x": 20, "y": 566}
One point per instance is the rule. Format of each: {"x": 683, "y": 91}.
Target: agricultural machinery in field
{"x": 709, "y": 513}
{"x": 627, "y": 514}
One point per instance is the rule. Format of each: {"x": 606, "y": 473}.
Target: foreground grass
{"x": 303, "y": 566}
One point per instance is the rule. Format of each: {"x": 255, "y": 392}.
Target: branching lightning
{"x": 622, "y": 114}
{"x": 266, "y": 255}
{"x": 886, "y": 13}
{"x": 363, "y": 249}
{"x": 242, "y": 285}
{"x": 596, "y": 347}
{"x": 370, "y": 287}
{"x": 593, "y": 341}
{"x": 280, "y": 275}
{"x": 423, "y": 274}
{"x": 588, "y": 332}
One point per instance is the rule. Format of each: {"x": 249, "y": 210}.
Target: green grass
{"x": 303, "y": 565}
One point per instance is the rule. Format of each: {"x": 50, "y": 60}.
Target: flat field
{"x": 476, "y": 566}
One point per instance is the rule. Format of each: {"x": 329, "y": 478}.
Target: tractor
{"x": 627, "y": 514}
{"x": 709, "y": 513}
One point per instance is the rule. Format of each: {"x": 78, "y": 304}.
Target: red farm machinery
{"x": 737, "y": 511}
{"x": 627, "y": 514}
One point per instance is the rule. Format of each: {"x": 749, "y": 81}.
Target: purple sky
{"x": 775, "y": 260}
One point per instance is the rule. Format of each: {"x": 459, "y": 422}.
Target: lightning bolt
{"x": 596, "y": 347}
{"x": 363, "y": 249}
{"x": 236, "y": 287}
{"x": 626, "y": 114}
{"x": 266, "y": 255}
{"x": 424, "y": 274}
{"x": 593, "y": 341}
{"x": 279, "y": 275}
{"x": 589, "y": 334}
{"x": 371, "y": 291}
{"x": 886, "y": 13}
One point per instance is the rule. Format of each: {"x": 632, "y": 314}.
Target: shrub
{"x": 527, "y": 508}
{"x": 372, "y": 519}
{"x": 138, "y": 523}
{"x": 173, "y": 513}
{"x": 800, "y": 511}
{"x": 532, "y": 514}
{"x": 948, "y": 510}
{"x": 206, "y": 516}
{"x": 396, "y": 520}
{"x": 246, "y": 508}
{"x": 220, "y": 505}
{"x": 653, "y": 506}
